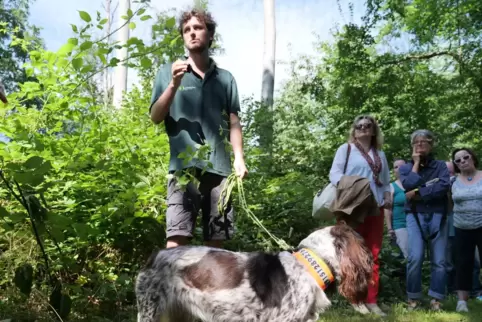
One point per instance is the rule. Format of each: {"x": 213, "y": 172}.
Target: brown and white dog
{"x": 191, "y": 282}
{"x": 3, "y": 96}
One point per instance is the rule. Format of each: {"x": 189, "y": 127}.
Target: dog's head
{"x": 351, "y": 261}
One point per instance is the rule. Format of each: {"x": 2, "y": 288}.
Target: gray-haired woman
{"x": 427, "y": 182}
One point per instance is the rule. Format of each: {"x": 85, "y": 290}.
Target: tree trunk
{"x": 107, "y": 70}
{"x": 267, "y": 89}
{"x": 120, "y": 82}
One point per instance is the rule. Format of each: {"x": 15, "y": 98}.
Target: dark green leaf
{"x": 24, "y": 278}
{"x": 171, "y": 22}
{"x": 77, "y": 62}
{"x": 44, "y": 168}
{"x": 146, "y": 62}
{"x": 59, "y": 221}
{"x": 33, "y": 162}
{"x": 57, "y": 234}
{"x": 86, "y": 45}
{"x": 3, "y": 212}
{"x": 114, "y": 61}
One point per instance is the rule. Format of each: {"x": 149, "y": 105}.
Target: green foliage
{"x": 17, "y": 39}
{"x": 94, "y": 178}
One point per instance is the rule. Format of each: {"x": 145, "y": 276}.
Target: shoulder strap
{"x": 348, "y": 150}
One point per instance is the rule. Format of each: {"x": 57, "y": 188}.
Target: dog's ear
{"x": 268, "y": 278}
{"x": 356, "y": 264}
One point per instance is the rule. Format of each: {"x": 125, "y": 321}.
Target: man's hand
{"x": 411, "y": 195}
{"x": 415, "y": 156}
{"x": 240, "y": 168}
{"x": 179, "y": 68}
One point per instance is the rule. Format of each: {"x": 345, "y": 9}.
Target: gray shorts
{"x": 184, "y": 206}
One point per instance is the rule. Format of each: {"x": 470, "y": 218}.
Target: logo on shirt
{"x": 186, "y": 88}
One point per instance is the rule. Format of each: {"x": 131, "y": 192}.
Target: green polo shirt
{"x": 199, "y": 114}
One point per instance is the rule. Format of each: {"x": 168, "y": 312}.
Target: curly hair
{"x": 203, "y": 16}
{"x": 377, "y": 140}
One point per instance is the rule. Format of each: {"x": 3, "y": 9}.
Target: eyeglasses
{"x": 421, "y": 142}
{"x": 465, "y": 158}
{"x": 362, "y": 126}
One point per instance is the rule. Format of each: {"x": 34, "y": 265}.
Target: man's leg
{"x": 181, "y": 213}
{"x": 438, "y": 279}
{"x": 416, "y": 253}
{"x": 217, "y": 226}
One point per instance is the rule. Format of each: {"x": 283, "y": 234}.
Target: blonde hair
{"x": 377, "y": 139}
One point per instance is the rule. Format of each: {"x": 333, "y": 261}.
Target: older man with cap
{"x": 427, "y": 182}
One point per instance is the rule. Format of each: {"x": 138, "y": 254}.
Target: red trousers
{"x": 372, "y": 232}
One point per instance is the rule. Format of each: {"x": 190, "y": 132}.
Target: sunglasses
{"x": 363, "y": 126}
{"x": 465, "y": 158}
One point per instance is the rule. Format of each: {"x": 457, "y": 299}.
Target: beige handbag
{"x": 325, "y": 197}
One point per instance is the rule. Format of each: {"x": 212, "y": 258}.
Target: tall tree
{"x": 267, "y": 88}
{"x": 120, "y": 83}
{"x": 14, "y": 22}
{"x": 107, "y": 78}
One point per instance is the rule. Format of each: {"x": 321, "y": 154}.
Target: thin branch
{"x": 21, "y": 199}
{"x": 106, "y": 36}
{"x": 422, "y": 57}
{"x": 120, "y": 61}
{"x": 9, "y": 187}
{"x": 36, "y": 233}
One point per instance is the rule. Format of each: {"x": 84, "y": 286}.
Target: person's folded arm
{"x": 439, "y": 188}
{"x": 410, "y": 180}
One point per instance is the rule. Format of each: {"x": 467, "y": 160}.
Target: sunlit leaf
{"x": 85, "y": 16}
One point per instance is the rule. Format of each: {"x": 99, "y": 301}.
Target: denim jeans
{"x": 431, "y": 224}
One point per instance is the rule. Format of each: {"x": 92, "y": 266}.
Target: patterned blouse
{"x": 467, "y": 204}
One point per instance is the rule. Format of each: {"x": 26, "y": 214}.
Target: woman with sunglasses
{"x": 467, "y": 201}
{"x": 367, "y": 160}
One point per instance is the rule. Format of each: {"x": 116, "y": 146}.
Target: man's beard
{"x": 197, "y": 48}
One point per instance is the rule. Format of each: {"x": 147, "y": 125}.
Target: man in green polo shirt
{"x": 199, "y": 105}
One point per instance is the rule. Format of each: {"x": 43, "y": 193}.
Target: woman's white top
{"x": 358, "y": 166}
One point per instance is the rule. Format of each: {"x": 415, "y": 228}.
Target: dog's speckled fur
{"x": 257, "y": 287}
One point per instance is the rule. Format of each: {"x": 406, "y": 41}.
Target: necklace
{"x": 471, "y": 177}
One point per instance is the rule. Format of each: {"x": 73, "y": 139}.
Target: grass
{"x": 399, "y": 313}
{"x": 396, "y": 313}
